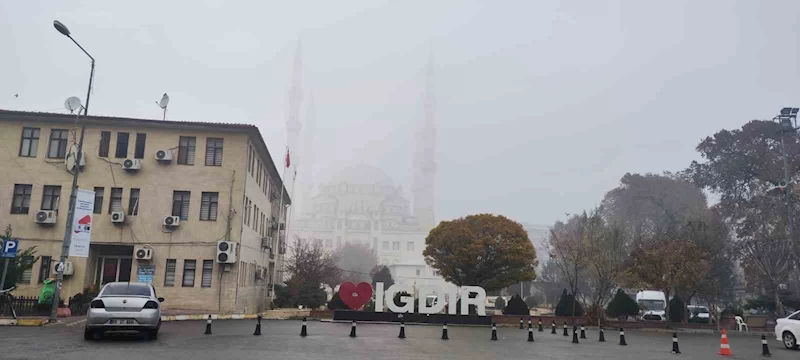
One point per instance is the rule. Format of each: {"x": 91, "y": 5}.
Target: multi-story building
{"x": 216, "y": 182}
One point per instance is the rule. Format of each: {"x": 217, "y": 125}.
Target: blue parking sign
{"x": 9, "y": 248}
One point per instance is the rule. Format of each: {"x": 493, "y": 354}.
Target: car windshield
{"x": 657, "y": 305}
{"x": 124, "y": 289}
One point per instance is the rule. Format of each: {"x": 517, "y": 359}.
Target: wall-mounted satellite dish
{"x": 72, "y": 103}
{"x": 163, "y": 104}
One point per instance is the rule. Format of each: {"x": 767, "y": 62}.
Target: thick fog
{"x": 540, "y": 106}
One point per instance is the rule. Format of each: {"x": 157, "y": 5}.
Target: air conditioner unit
{"x": 117, "y": 217}
{"x": 172, "y": 221}
{"x": 143, "y": 253}
{"x": 132, "y": 164}
{"x": 46, "y": 216}
{"x": 226, "y": 252}
{"x": 266, "y": 242}
{"x": 69, "y": 269}
{"x": 164, "y": 155}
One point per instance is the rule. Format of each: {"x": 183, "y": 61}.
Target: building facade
{"x": 361, "y": 205}
{"x": 220, "y": 183}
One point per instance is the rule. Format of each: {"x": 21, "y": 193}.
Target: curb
{"x": 23, "y": 322}
{"x": 165, "y": 318}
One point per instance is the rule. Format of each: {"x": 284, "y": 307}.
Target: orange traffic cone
{"x": 724, "y": 347}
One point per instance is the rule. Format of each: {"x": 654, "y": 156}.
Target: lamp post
{"x": 73, "y": 190}
{"x": 787, "y": 120}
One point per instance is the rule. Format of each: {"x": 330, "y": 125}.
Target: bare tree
{"x": 356, "y": 261}
{"x": 309, "y": 262}
{"x": 569, "y": 250}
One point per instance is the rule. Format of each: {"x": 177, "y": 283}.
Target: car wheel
{"x": 153, "y": 334}
{"x": 88, "y": 334}
{"x": 789, "y": 341}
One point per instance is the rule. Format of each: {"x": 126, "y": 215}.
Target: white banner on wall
{"x": 82, "y": 224}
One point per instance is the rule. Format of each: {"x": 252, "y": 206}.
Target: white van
{"x": 652, "y": 304}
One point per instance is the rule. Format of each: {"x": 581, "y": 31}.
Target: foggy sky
{"x": 541, "y": 106}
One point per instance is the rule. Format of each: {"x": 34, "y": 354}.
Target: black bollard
{"x": 622, "y": 337}
{"x": 574, "y": 334}
{"x": 553, "y": 327}
{"x": 540, "y": 326}
{"x": 353, "y": 329}
{"x": 602, "y": 335}
{"x": 303, "y": 330}
{"x": 529, "y": 322}
{"x": 208, "y": 326}
{"x": 402, "y": 330}
{"x": 566, "y": 333}
{"x": 530, "y": 334}
{"x": 675, "y": 348}
{"x": 494, "y": 331}
{"x": 258, "y": 325}
{"x": 764, "y": 347}
{"x": 520, "y": 324}
{"x": 444, "y": 332}
{"x": 583, "y": 332}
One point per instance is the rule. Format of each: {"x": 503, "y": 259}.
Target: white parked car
{"x": 124, "y": 307}
{"x": 787, "y": 330}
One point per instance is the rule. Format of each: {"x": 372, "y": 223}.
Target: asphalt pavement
{"x": 234, "y": 339}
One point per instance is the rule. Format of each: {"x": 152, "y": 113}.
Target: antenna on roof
{"x": 163, "y": 104}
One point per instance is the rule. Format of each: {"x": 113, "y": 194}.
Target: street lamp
{"x": 75, "y": 171}
{"x": 787, "y": 120}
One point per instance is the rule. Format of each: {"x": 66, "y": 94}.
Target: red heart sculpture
{"x": 355, "y": 296}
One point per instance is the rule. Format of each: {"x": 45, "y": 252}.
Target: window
{"x": 255, "y": 217}
{"x": 410, "y": 246}
{"x": 21, "y": 203}
{"x": 98, "y": 199}
{"x": 116, "y": 200}
{"x": 396, "y": 245}
{"x": 138, "y": 151}
{"x": 133, "y": 202}
{"x": 44, "y": 268}
{"x": 29, "y": 143}
{"x": 169, "y": 276}
{"x": 105, "y": 142}
{"x": 435, "y": 272}
{"x": 58, "y": 144}
{"x": 126, "y": 289}
{"x": 186, "y": 150}
{"x": 208, "y": 269}
{"x": 28, "y": 273}
{"x": 252, "y": 159}
{"x": 180, "y": 204}
{"x": 52, "y": 193}
{"x": 418, "y": 272}
{"x": 189, "y": 267}
{"x": 246, "y": 211}
{"x": 122, "y": 145}
{"x": 208, "y": 206}
{"x": 214, "y": 152}
{"x": 385, "y": 245}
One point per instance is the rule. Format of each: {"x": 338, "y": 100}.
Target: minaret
{"x": 305, "y": 178}
{"x": 425, "y": 158}
{"x": 293, "y": 124}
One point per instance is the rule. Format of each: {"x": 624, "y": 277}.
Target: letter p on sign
{"x": 9, "y": 248}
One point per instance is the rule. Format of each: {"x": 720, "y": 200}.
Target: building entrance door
{"x": 113, "y": 268}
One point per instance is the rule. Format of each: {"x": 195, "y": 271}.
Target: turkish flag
{"x": 287, "y": 158}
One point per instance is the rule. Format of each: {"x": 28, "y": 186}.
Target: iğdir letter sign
{"x": 453, "y": 295}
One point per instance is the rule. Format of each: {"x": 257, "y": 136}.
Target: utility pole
{"x": 73, "y": 190}
{"x": 787, "y": 120}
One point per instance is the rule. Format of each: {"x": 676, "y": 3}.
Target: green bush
{"x": 336, "y": 303}
{"x": 499, "y": 303}
{"x": 566, "y": 303}
{"x": 533, "y": 301}
{"x": 622, "y": 306}
{"x": 731, "y": 311}
{"x": 677, "y": 309}
{"x": 516, "y": 306}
